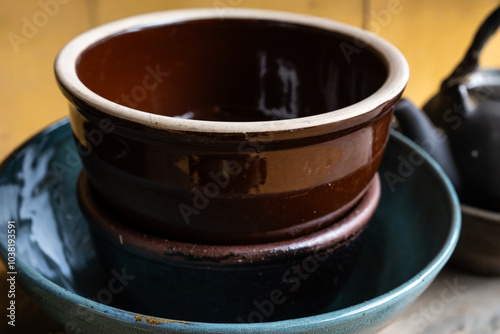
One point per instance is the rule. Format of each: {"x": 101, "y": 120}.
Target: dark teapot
{"x": 461, "y": 125}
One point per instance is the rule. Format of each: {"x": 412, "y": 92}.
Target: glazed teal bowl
{"x": 409, "y": 240}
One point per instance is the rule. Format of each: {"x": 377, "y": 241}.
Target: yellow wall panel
{"x": 349, "y": 11}
{"x": 31, "y": 36}
{"x": 434, "y": 36}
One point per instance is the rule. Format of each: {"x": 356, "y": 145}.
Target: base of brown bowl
{"x": 260, "y": 282}
{"x": 237, "y": 220}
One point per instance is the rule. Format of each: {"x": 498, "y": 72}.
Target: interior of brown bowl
{"x": 232, "y": 70}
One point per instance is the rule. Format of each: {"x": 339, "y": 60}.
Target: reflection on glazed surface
{"x": 231, "y": 70}
{"x": 37, "y": 192}
{"x": 288, "y": 81}
{"x": 205, "y": 186}
{"x": 297, "y": 186}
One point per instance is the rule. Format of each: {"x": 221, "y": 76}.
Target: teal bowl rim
{"x": 320, "y": 320}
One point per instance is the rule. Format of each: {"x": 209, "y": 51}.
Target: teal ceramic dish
{"x": 410, "y": 238}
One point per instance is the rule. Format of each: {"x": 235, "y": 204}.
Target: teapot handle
{"x": 470, "y": 62}
{"x": 417, "y": 126}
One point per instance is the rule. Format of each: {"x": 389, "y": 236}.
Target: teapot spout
{"x": 417, "y": 126}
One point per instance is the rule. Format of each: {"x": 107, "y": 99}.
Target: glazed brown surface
{"x": 230, "y": 187}
{"x": 281, "y": 192}
{"x": 231, "y": 70}
{"x": 105, "y": 224}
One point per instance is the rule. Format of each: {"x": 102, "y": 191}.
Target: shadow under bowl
{"x": 233, "y": 283}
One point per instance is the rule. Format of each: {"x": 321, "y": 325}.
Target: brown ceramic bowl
{"x": 255, "y": 128}
{"x": 220, "y": 283}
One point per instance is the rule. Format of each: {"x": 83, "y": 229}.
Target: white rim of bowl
{"x": 65, "y": 69}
